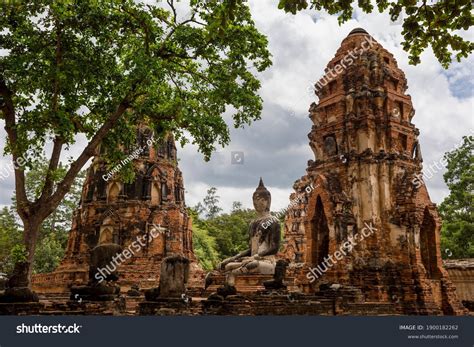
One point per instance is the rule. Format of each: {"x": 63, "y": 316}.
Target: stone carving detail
{"x": 417, "y": 152}
{"x": 379, "y": 97}
{"x": 345, "y": 222}
{"x": 330, "y": 146}
{"x": 350, "y": 101}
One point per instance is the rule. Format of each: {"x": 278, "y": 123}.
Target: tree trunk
{"x": 30, "y": 236}
{"x": 19, "y": 284}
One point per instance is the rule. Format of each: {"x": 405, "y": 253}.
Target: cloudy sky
{"x": 276, "y": 147}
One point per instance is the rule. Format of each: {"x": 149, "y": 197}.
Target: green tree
{"x": 457, "y": 209}
{"x": 433, "y": 23}
{"x": 210, "y": 204}
{"x": 54, "y": 230}
{"x": 10, "y": 235}
{"x": 231, "y": 231}
{"x": 49, "y": 252}
{"x": 98, "y": 68}
{"x": 205, "y": 249}
{"x": 236, "y": 206}
{"x": 204, "y": 245}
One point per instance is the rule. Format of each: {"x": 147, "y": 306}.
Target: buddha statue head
{"x": 262, "y": 199}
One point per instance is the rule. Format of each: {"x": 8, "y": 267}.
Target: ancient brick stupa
{"x": 367, "y": 158}
{"x": 120, "y": 213}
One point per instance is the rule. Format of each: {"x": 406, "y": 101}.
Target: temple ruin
{"x": 112, "y": 211}
{"x": 367, "y": 160}
{"x": 362, "y": 236}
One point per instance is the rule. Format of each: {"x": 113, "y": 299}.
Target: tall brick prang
{"x": 147, "y": 216}
{"x": 367, "y": 222}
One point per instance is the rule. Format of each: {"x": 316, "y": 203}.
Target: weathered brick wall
{"x": 461, "y": 273}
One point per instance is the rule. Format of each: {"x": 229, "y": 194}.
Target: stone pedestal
{"x": 173, "y": 279}
{"x": 18, "y": 294}
{"x": 174, "y": 276}
{"x": 277, "y": 283}
{"x": 170, "y": 297}
{"x": 243, "y": 283}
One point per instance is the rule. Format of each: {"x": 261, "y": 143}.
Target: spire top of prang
{"x": 358, "y": 31}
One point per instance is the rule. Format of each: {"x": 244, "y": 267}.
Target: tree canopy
{"x": 99, "y": 68}
{"x": 425, "y": 23}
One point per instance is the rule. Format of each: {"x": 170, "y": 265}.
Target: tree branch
{"x": 8, "y": 109}
{"x": 171, "y": 4}
{"x": 58, "y": 142}
{"x": 145, "y": 28}
{"x": 88, "y": 152}
{"x": 53, "y": 165}
{"x": 173, "y": 30}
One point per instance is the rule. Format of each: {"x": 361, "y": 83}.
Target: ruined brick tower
{"x": 111, "y": 211}
{"x": 367, "y": 157}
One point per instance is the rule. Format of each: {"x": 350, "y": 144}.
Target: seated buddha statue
{"x": 264, "y": 242}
